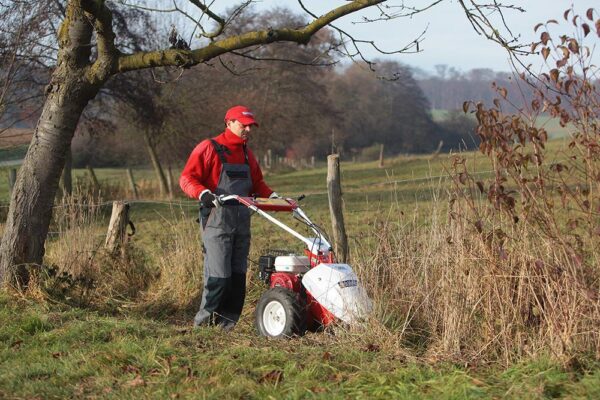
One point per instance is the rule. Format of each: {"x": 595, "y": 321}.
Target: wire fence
{"x": 194, "y": 203}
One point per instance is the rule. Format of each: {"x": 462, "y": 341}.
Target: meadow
{"x": 446, "y": 323}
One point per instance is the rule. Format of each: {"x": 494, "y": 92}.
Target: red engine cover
{"x": 286, "y": 280}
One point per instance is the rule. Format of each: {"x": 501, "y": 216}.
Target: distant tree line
{"x": 448, "y": 87}
{"x": 307, "y": 104}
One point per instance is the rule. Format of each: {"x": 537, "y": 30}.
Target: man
{"x": 217, "y": 166}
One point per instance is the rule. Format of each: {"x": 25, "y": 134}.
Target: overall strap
{"x": 221, "y": 150}
{"x": 246, "y": 154}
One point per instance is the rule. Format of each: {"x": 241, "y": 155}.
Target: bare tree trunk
{"x": 93, "y": 179}
{"x": 37, "y": 181}
{"x": 132, "y": 184}
{"x": 67, "y": 177}
{"x": 162, "y": 180}
{"x": 170, "y": 182}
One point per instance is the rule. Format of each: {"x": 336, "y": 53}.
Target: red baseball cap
{"x": 242, "y": 114}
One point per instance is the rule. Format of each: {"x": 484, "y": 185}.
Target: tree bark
{"x": 37, "y": 182}
{"x": 160, "y": 174}
{"x": 67, "y": 177}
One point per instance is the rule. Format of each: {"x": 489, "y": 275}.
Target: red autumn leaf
{"x": 574, "y": 46}
{"x": 544, "y": 38}
{"x": 590, "y": 14}
{"x": 534, "y": 46}
{"x": 545, "y": 52}
{"x": 575, "y": 20}
{"x": 552, "y": 21}
{"x": 561, "y": 63}
{"x": 503, "y": 92}
{"x": 598, "y": 27}
{"x": 568, "y": 85}
{"x": 586, "y": 29}
{"x": 554, "y": 74}
{"x": 275, "y": 376}
{"x": 535, "y": 28}
{"x": 566, "y": 14}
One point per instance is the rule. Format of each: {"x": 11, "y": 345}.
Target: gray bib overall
{"x": 226, "y": 239}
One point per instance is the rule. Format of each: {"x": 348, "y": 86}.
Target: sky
{"x": 449, "y": 38}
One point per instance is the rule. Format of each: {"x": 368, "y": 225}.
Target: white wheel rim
{"x": 274, "y": 318}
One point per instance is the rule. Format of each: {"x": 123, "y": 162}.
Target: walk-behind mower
{"x": 305, "y": 291}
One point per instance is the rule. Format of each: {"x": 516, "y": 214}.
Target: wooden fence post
{"x": 119, "y": 219}
{"x": 269, "y": 159}
{"x": 132, "y": 185}
{"x": 381, "y": 155}
{"x": 312, "y": 161}
{"x": 12, "y": 179}
{"x": 93, "y": 178}
{"x": 334, "y": 189}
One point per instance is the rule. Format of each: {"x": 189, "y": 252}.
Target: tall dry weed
{"x": 78, "y": 264}
{"x": 178, "y": 266}
{"x": 514, "y": 270}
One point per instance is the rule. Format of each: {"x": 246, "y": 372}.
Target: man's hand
{"x": 274, "y": 196}
{"x": 208, "y": 199}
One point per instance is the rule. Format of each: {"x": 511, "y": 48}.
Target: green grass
{"x": 552, "y": 125}
{"x": 54, "y": 351}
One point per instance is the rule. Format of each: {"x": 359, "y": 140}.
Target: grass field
{"x": 131, "y": 338}
{"x": 552, "y": 125}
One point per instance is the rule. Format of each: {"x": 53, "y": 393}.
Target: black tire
{"x": 280, "y": 313}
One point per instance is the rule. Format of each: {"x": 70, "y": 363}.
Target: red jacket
{"x": 203, "y": 168}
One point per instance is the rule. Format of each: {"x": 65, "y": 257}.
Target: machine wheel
{"x": 280, "y": 313}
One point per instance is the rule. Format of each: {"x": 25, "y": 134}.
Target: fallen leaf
{"x": 16, "y": 345}
{"x": 326, "y": 356}
{"x": 372, "y": 348}
{"x": 130, "y": 369}
{"x": 275, "y": 376}
{"x": 137, "y": 381}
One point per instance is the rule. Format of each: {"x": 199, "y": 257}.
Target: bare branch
{"x": 188, "y": 58}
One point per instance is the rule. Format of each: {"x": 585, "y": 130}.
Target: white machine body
{"x": 335, "y": 287}
{"x": 292, "y": 263}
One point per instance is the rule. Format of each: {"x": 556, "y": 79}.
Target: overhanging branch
{"x": 174, "y": 57}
